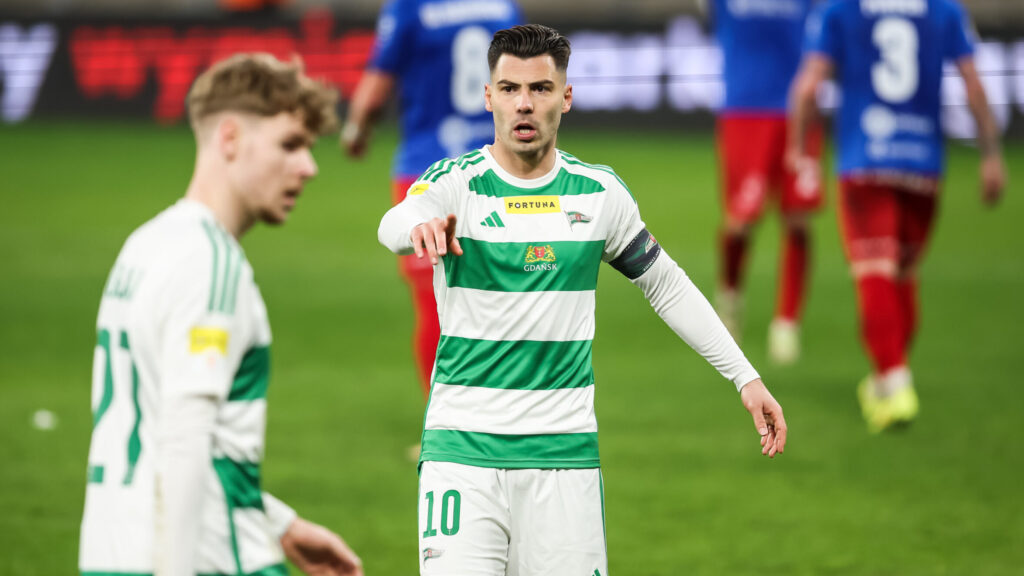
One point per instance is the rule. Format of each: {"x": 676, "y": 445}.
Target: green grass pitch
{"x": 687, "y": 491}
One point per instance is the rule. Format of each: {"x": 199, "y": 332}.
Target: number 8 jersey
{"x": 437, "y": 49}
{"x": 888, "y": 56}
{"x": 180, "y": 315}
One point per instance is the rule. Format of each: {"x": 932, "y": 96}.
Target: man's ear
{"x": 567, "y": 103}
{"x": 487, "y": 98}
{"x": 227, "y": 136}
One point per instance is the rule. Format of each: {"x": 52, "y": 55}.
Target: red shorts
{"x": 408, "y": 265}
{"x": 751, "y": 150}
{"x": 885, "y": 227}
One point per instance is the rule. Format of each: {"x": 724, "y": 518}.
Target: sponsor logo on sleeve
{"x": 418, "y": 189}
{"x": 532, "y": 205}
{"x": 202, "y": 339}
{"x": 540, "y": 258}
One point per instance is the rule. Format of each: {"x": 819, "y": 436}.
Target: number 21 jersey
{"x": 180, "y": 315}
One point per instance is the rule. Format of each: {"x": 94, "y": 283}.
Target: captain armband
{"x": 639, "y": 255}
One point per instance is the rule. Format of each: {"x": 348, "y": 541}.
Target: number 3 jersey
{"x": 437, "y": 49}
{"x": 180, "y": 315}
{"x": 888, "y": 56}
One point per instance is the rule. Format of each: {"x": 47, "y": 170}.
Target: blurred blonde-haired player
{"x": 183, "y": 354}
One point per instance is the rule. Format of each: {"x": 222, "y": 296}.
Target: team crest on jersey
{"x": 540, "y": 254}
{"x": 418, "y": 189}
{"x": 429, "y": 553}
{"x": 540, "y": 258}
{"x": 532, "y": 204}
{"x": 651, "y": 243}
{"x": 577, "y": 218}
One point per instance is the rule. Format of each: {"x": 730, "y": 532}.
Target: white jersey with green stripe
{"x": 180, "y": 316}
{"x": 513, "y": 385}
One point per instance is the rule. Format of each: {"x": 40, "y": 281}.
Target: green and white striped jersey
{"x": 513, "y": 385}
{"x": 180, "y": 315}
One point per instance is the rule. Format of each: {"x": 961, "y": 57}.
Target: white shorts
{"x": 498, "y": 522}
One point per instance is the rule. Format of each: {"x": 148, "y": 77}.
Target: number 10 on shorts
{"x": 450, "y": 504}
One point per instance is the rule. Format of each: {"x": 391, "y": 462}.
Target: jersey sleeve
{"x": 204, "y": 330}
{"x": 821, "y": 32}
{"x": 625, "y": 222}
{"x": 395, "y": 35}
{"x": 959, "y": 35}
{"x": 431, "y": 196}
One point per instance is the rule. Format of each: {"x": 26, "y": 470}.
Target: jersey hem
{"x": 510, "y": 464}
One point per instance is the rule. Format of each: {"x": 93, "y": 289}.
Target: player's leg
{"x": 800, "y": 197}
{"x": 419, "y": 275}
{"x": 870, "y": 218}
{"x": 558, "y": 523}
{"x": 744, "y": 177}
{"x": 464, "y": 521}
{"x": 917, "y": 212}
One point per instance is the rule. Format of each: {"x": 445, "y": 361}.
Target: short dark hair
{"x": 527, "y": 41}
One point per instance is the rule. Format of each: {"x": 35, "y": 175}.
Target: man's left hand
{"x": 768, "y": 419}
{"x": 319, "y": 552}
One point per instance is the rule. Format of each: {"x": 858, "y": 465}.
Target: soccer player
{"x": 435, "y": 53}
{"x": 888, "y": 58}
{"x": 761, "y": 46}
{"x": 183, "y": 354}
{"x": 510, "y": 479}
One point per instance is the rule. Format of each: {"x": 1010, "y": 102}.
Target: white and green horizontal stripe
{"x": 514, "y": 364}
{"x": 511, "y": 412}
{"x": 486, "y": 314}
{"x": 506, "y": 266}
{"x": 226, "y": 269}
{"x": 511, "y": 451}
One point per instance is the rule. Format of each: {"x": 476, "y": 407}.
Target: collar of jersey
{"x": 538, "y": 182}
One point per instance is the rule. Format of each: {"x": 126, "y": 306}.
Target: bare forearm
{"x": 368, "y": 102}
{"x": 988, "y": 130}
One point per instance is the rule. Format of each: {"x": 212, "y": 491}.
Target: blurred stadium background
{"x": 92, "y": 144}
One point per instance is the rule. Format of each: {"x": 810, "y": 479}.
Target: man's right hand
{"x": 993, "y": 179}
{"x": 435, "y": 238}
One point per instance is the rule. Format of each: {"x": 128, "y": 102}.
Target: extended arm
{"x": 420, "y": 224}
{"x": 682, "y": 306}
{"x": 993, "y": 174}
{"x": 803, "y": 105}
{"x": 364, "y": 110}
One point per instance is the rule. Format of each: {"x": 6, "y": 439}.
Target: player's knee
{"x": 737, "y": 227}
{"x": 875, "y": 267}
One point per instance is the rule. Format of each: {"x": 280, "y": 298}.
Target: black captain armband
{"x": 638, "y": 256}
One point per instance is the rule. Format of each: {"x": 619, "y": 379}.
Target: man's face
{"x": 528, "y": 98}
{"x": 272, "y": 165}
